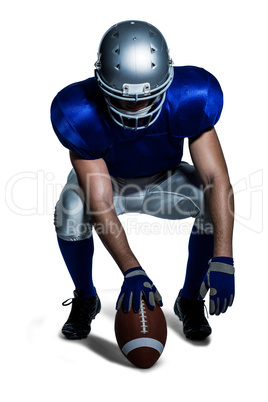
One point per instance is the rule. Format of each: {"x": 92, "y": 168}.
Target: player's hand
{"x": 135, "y": 286}
{"x": 220, "y": 281}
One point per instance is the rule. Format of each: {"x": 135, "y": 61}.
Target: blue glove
{"x": 220, "y": 280}
{"x": 135, "y": 286}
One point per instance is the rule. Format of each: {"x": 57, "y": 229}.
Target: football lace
{"x": 143, "y": 318}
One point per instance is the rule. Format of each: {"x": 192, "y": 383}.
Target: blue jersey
{"x": 82, "y": 123}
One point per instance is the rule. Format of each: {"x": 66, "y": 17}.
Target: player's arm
{"x": 209, "y": 161}
{"x": 210, "y": 164}
{"x": 95, "y": 181}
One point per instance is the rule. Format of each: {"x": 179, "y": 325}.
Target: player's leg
{"x": 187, "y": 306}
{"x": 200, "y": 251}
{"x": 75, "y": 240}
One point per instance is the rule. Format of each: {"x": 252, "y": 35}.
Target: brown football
{"x": 141, "y": 336}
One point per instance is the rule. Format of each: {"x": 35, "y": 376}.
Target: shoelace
{"x": 206, "y": 310}
{"x": 198, "y": 304}
{"x": 67, "y": 304}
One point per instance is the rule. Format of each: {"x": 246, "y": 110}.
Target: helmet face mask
{"x": 134, "y": 66}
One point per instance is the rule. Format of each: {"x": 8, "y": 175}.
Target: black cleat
{"x": 84, "y": 310}
{"x": 191, "y": 313}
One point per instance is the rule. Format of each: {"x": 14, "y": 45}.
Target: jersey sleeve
{"x": 195, "y": 101}
{"x": 68, "y": 135}
{"x": 214, "y": 104}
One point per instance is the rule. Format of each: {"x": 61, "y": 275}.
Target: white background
{"x": 47, "y": 45}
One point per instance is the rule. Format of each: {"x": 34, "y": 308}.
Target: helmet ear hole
{"x": 133, "y": 64}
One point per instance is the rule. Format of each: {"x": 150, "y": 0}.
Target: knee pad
{"x": 71, "y": 220}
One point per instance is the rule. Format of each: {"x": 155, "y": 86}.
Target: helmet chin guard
{"x": 134, "y": 65}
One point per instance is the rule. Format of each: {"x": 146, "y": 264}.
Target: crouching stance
{"x": 125, "y": 130}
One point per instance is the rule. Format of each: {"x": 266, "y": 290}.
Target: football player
{"x": 125, "y": 129}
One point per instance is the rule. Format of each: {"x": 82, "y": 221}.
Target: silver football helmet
{"x": 134, "y": 71}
